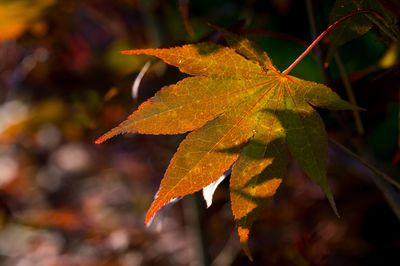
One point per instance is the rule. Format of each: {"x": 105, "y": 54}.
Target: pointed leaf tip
{"x": 149, "y": 218}
{"x": 128, "y": 52}
{"x": 154, "y": 209}
{"x": 157, "y": 206}
{"x": 101, "y": 139}
{"x": 113, "y": 132}
{"x": 244, "y": 241}
{"x": 98, "y": 141}
{"x": 231, "y": 95}
{"x": 332, "y": 203}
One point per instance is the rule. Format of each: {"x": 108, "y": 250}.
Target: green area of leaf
{"x": 241, "y": 112}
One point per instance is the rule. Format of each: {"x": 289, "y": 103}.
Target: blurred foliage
{"x": 18, "y": 16}
{"x": 66, "y": 201}
{"x": 358, "y": 25}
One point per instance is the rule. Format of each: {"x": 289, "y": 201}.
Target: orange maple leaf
{"x": 243, "y": 112}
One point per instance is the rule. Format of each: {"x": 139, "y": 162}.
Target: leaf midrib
{"x": 167, "y": 195}
{"x": 254, "y": 87}
{"x": 264, "y": 152}
{"x": 302, "y": 122}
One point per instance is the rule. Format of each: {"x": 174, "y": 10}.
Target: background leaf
{"x": 359, "y": 24}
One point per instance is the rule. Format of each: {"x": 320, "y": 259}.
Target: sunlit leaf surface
{"x": 241, "y": 111}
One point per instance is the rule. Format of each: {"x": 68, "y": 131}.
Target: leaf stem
{"x": 314, "y": 34}
{"x": 324, "y": 33}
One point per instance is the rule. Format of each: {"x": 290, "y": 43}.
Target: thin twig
{"x": 184, "y": 11}
{"x": 385, "y": 27}
{"x": 229, "y": 252}
{"x": 392, "y": 197}
{"x": 192, "y": 215}
{"x": 314, "y": 35}
{"x": 373, "y": 169}
{"x": 350, "y": 94}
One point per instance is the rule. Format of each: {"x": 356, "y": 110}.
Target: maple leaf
{"x": 243, "y": 112}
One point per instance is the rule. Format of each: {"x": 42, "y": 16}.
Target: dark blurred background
{"x": 67, "y": 201}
